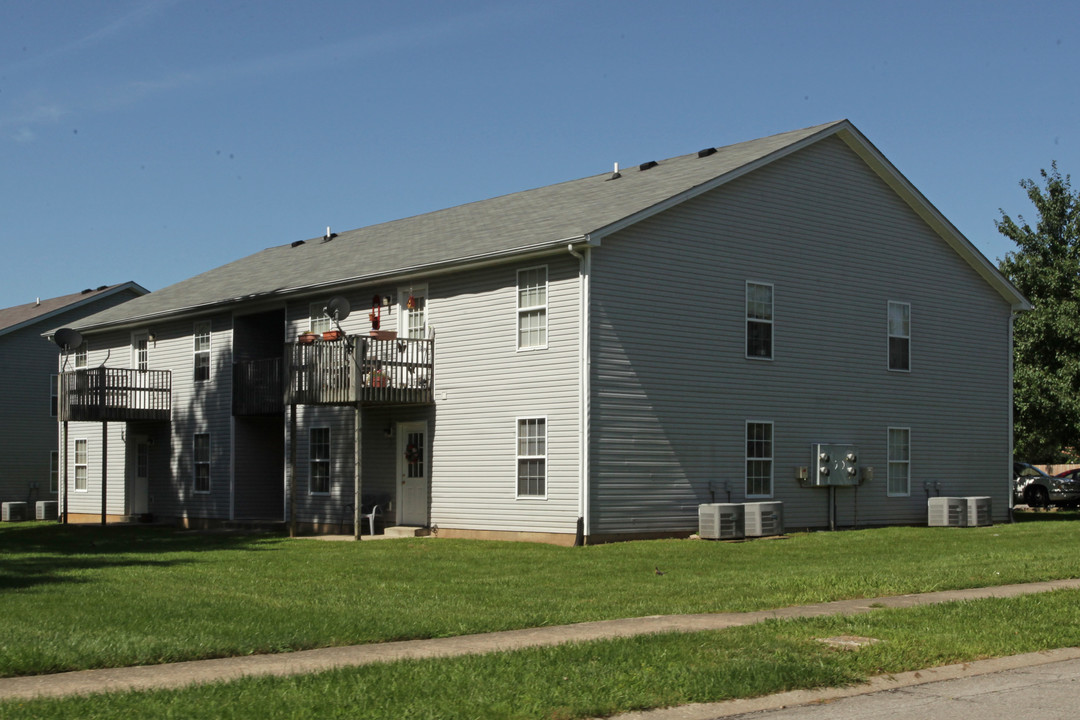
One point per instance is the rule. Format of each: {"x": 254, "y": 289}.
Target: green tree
{"x": 1046, "y": 268}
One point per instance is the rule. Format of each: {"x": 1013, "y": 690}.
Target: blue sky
{"x": 150, "y": 140}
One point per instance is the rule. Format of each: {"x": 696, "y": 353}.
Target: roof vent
{"x": 297, "y": 243}
{"x": 329, "y": 235}
{"x": 706, "y": 152}
{"x": 615, "y": 174}
{"x": 103, "y": 287}
{"x": 87, "y": 290}
{"x": 646, "y": 166}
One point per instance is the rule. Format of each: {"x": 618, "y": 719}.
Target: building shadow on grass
{"x": 35, "y": 554}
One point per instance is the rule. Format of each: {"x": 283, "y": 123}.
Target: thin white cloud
{"x": 20, "y": 124}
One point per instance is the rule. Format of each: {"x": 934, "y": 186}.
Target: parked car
{"x": 1034, "y": 488}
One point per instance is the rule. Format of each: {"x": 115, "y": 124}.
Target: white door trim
{"x": 408, "y": 515}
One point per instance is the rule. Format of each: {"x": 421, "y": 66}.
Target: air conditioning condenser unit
{"x": 721, "y": 521}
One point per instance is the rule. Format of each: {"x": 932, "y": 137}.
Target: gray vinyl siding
{"x": 203, "y": 407}
{"x": 28, "y": 363}
{"x": 484, "y": 384}
{"x": 672, "y": 389}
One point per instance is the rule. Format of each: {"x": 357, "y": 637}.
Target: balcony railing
{"x": 258, "y": 388}
{"x": 104, "y": 394}
{"x": 367, "y": 370}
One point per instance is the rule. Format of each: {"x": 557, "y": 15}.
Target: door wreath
{"x": 412, "y": 453}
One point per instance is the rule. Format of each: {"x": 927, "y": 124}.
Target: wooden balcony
{"x": 258, "y": 388}
{"x": 104, "y": 394}
{"x": 364, "y": 370}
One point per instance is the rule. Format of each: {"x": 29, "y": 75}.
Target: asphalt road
{"x": 1036, "y": 686}
{"x": 1044, "y": 692}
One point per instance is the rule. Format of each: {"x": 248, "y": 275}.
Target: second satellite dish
{"x": 338, "y": 308}
{"x": 68, "y": 339}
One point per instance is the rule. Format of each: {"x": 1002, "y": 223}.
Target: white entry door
{"x": 139, "y": 486}
{"x": 413, "y": 464}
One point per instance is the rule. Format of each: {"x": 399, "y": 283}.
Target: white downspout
{"x": 584, "y": 385}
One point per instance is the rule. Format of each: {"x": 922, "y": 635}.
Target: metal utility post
{"x": 104, "y": 466}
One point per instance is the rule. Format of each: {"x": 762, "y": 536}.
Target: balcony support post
{"x": 357, "y": 478}
{"x": 104, "y": 467}
{"x": 292, "y": 471}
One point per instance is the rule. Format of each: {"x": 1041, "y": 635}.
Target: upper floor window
{"x": 319, "y": 457}
{"x": 532, "y": 457}
{"x": 899, "y": 480}
{"x": 899, "y": 336}
{"x": 201, "y": 349}
{"x": 318, "y": 320}
{"x": 759, "y": 459}
{"x": 414, "y": 314}
{"x": 532, "y": 292}
{"x": 140, "y": 350}
{"x": 54, "y": 390}
{"x": 201, "y": 453}
{"x": 759, "y": 320}
{"x": 80, "y": 356}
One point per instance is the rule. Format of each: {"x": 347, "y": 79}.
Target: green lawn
{"x": 602, "y": 678}
{"x": 81, "y": 597}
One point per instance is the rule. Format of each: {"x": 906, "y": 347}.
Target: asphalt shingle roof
{"x": 514, "y": 223}
{"x": 21, "y": 315}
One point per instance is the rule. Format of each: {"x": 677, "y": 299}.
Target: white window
{"x": 759, "y": 458}
{"x": 81, "y": 465}
{"x": 80, "y": 356}
{"x": 319, "y": 457}
{"x": 899, "y": 482}
{"x": 759, "y": 320}
{"x": 899, "y": 336}
{"x": 54, "y": 390}
{"x": 532, "y": 292}
{"x": 201, "y": 453}
{"x": 318, "y": 320}
{"x": 201, "y": 350}
{"x": 140, "y": 350}
{"x": 532, "y": 457}
{"x": 54, "y": 472}
{"x": 413, "y": 314}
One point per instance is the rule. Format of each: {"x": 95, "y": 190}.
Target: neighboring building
{"x": 29, "y": 462}
{"x": 589, "y": 360}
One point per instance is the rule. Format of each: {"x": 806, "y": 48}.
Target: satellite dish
{"x": 68, "y": 339}
{"x": 338, "y": 308}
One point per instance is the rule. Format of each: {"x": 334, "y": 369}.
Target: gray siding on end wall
{"x": 672, "y": 389}
{"x": 28, "y": 364}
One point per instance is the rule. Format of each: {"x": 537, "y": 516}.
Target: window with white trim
{"x": 318, "y": 320}
{"x": 899, "y": 480}
{"x": 414, "y": 316}
{"x": 532, "y": 457}
{"x": 54, "y": 471}
{"x": 54, "y": 391}
{"x": 759, "y": 320}
{"x": 82, "y": 468}
{"x": 80, "y": 356}
{"x": 532, "y": 294}
{"x": 899, "y": 336}
{"x": 759, "y": 458}
{"x": 319, "y": 460}
{"x": 201, "y": 455}
{"x": 201, "y": 350}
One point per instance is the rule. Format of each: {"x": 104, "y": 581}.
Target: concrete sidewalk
{"x": 175, "y": 675}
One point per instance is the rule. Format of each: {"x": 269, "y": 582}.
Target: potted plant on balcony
{"x": 307, "y": 337}
{"x": 330, "y": 335}
{"x": 378, "y": 378}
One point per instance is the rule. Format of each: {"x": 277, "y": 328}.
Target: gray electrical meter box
{"x": 834, "y": 464}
